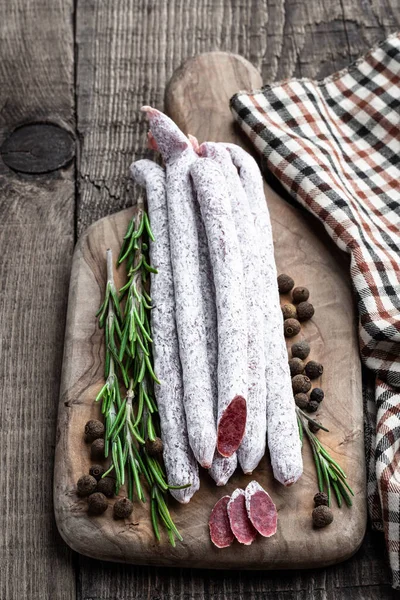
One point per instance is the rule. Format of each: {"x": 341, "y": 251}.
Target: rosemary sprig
{"x": 133, "y": 421}
{"x": 329, "y": 473}
{"x": 110, "y": 392}
{"x": 136, "y": 346}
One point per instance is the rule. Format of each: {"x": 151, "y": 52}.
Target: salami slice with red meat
{"x": 220, "y": 530}
{"x": 260, "y": 509}
{"x": 240, "y": 523}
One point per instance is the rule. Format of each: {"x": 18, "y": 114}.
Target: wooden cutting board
{"x": 197, "y": 99}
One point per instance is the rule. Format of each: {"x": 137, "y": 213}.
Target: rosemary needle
{"x": 329, "y": 474}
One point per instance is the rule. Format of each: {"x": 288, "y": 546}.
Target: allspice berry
{"x": 106, "y": 486}
{"x": 285, "y": 283}
{"x": 97, "y": 449}
{"x": 300, "y": 294}
{"x": 289, "y": 311}
{"x": 97, "y": 471}
{"x": 301, "y": 349}
{"x": 314, "y": 427}
{"x": 154, "y": 448}
{"x": 86, "y": 485}
{"x": 97, "y": 504}
{"x": 322, "y": 516}
{"x": 301, "y": 400}
{"x": 291, "y": 327}
{"x": 321, "y": 498}
{"x": 313, "y": 369}
{"x": 317, "y": 395}
{"x": 305, "y": 311}
{"x": 122, "y": 508}
{"x": 296, "y": 366}
{"x": 312, "y": 406}
{"x": 94, "y": 430}
{"x": 301, "y": 384}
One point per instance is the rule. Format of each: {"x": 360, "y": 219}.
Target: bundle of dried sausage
{"x": 180, "y": 464}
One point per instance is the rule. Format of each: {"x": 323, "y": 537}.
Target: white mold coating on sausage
{"x": 180, "y": 464}
{"x": 179, "y": 155}
{"x": 282, "y": 429}
{"x": 212, "y": 196}
{"x": 252, "y": 448}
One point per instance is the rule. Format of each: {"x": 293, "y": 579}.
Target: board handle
{"x": 197, "y": 95}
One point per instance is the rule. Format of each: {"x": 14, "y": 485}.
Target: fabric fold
{"x": 335, "y": 147}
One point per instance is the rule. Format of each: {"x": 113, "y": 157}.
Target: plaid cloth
{"x": 335, "y": 146}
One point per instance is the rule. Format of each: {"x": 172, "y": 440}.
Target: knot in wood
{"x": 38, "y": 148}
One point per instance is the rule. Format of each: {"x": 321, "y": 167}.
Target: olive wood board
{"x": 197, "y": 98}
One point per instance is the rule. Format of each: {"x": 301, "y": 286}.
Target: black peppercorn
{"x": 97, "y": 449}
{"x": 296, "y": 366}
{"x": 305, "y": 311}
{"x": 94, "y": 430}
{"x": 97, "y": 504}
{"x": 312, "y": 406}
{"x": 300, "y": 294}
{"x": 122, "y": 508}
{"x": 86, "y": 485}
{"x": 314, "y": 427}
{"x": 285, "y": 283}
{"x": 301, "y": 400}
{"x": 321, "y": 498}
{"x": 289, "y": 311}
{"x": 106, "y": 486}
{"x": 291, "y": 327}
{"x": 317, "y": 395}
{"x": 97, "y": 471}
{"x": 313, "y": 369}
{"x": 301, "y": 349}
{"x": 301, "y": 384}
{"x": 155, "y": 447}
{"x": 322, "y": 516}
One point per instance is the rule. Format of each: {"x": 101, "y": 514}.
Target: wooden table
{"x": 87, "y": 66}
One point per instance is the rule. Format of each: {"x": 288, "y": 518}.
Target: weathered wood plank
{"x": 127, "y": 52}
{"x": 36, "y": 241}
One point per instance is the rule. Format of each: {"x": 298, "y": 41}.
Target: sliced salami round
{"x": 220, "y": 530}
{"x": 240, "y": 523}
{"x": 260, "y": 509}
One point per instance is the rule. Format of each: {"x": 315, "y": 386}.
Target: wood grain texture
{"x": 208, "y": 81}
{"x": 36, "y": 240}
{"x": 126, "y": 53}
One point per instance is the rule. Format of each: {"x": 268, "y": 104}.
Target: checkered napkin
{"x": 335, "y": 146}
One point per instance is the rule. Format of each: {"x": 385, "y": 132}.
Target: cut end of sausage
{"x": 166, "y": 135}
{"x": 220, "y": 530}
{"x": 240, "y": 523}
{"x": 261, "y": 509}
{"x": 232, "y": 426}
